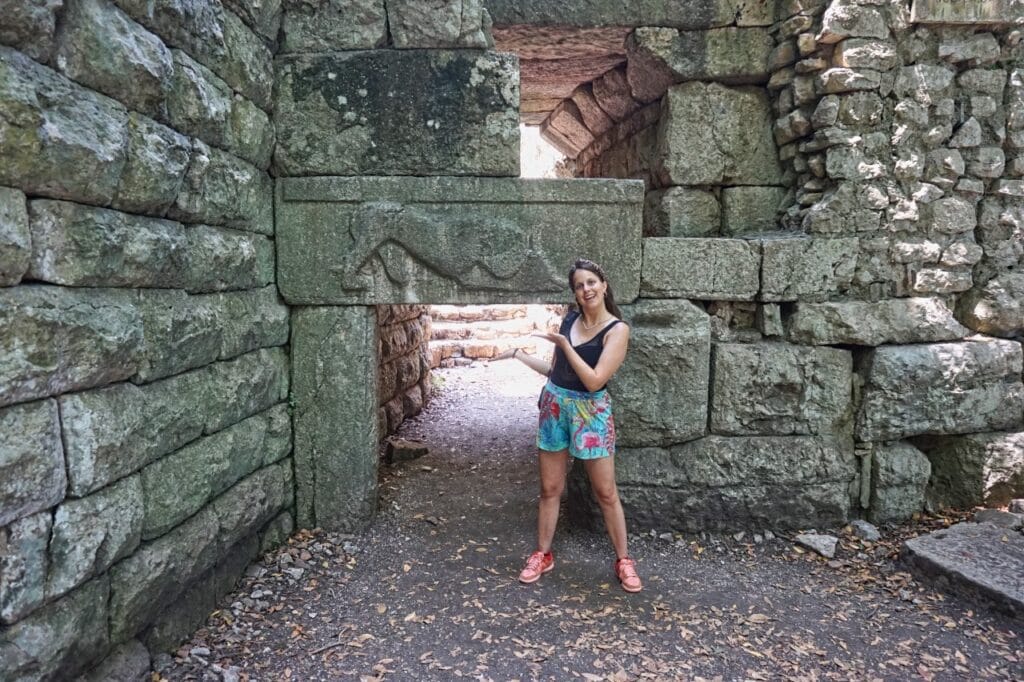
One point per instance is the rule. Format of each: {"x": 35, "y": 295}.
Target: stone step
{"x": 979, "y": 560}
{"x": 469, "y": 349}
{"x": 486, "y": 329}
{"x": 473, "y": 313}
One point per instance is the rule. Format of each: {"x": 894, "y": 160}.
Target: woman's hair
{"x": 609, "y": 299}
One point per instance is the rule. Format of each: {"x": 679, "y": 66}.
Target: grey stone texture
{"x": 438, "y": 23}
{"x": 60, "y": 640}
{"x": 777, "y": 389}
{"x": 23, "y": 563}
{"x": 336, "y": 113}
{"x": 29, "y": 26}
{"x": 99, "y": 46}
{"x": 975, "y": 469}
{"x": 92, "y": 533}
{"x": 334, "y": 369}
{"x": 324, "y": 25}
{"x": 453, "y": 240}
{"x": 32, "y": 476}
{"x": 681, "y": 212}
{"x": 940, "y": 388}
{"x": 716, "y": 269}
{"x": 661, "y": 390}
{"x": 862, "y": 323}
{"x": 155, "y": 165}
{"x": 899, "y": 477}
{"x": 684, "y": 14}
{"x": 15, "y": 240}
{"x": 735, "y": 147}
{"x": 222, "y": 189}
{"x": 973, "y": 559}
{"x": 751, "y": 210}
{"x": 997, "y": 308}
{"x": 129, "y": 662}
{"x": 60, "y": 340}
{"x": 806, "y": 269}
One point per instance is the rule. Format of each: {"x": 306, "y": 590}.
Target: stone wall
{"x": 404, "y": 380}
{"x": 145, "y": 439}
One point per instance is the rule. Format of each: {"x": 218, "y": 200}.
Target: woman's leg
{"x": 602, "y": 480}
{"x": 552, "y": 482}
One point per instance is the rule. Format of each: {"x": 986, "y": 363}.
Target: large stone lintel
{"x": 392, "y": 240}
{"x": 969, "y": 12}
{"x": 685, "y": 14}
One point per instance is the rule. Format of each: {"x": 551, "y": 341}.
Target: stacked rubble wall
{"x": 403, "y": 354}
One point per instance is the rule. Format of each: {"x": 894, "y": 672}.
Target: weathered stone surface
{"x": 58, "y": 340}
{"x": 181, "y": 331}
{"x": 750, "y": 210}
{"x": 100, "y": 47}
{"x": 334, "y": 366}
{"x": 252, "y": 503}
{"x": 60, "y": 139}
{"x": 899, "y": 476}
{"x": 717, "y": 269}
{"x": 453, "y": 240}
{"x": 199, "y": 102}
{"x": 847, "y": 18}
{"x": 976, "y": 469}
{"x": 660, "y": 57}
{"x": 29, "y": 27}
{"x": 127, "y": 663}
{"x": 780, "y": 390}
{"x": 898, "y": 320}
{"x": 90, "y": 534}
{"x": 825, "y": 545}
{"x": 325, "y": 25}
{"x": 15, "y": 240}
{"x": 684, "y": 14}
{"x": 248, "y": 63}
{"x": 974, "y": 559}
{"x": 565, "y": 130}
{"x": 222, "y": 189}
{"x": 613, "y": 94}
{"x": 177, "y": 486}
{"x": 800, "y": 268}
{"x": 32, "y": 474}
{"x": 23, "y": 567}
{"x": 336, "y": 113}
{"x": 250, "y": 133}
{"x": 1000, "y": 518}
{"x": 251, "y": 320}
{"x": 60, "y": 640}
{"x": 941, "y": 388}
{"x": 245, "y": 386}
{"x": 276, "y": 532}
{"x": 220, "y": 259}
{"x": 594, "y": 117}
{"x": 860, "y": 53}
{"x": 262, "y": 16}
{"x": 924, "y": 83}
{"x": 441, "y": 23}
{"x": 155, "y": 167}
{"x": 736, "y": 483}
{"x": 681, "y": 212}
{"x": 989, "y": 12}
{"x": 997, "y": 308}
{"x": 661, "y": 389}
{"x": 735, "y": 147}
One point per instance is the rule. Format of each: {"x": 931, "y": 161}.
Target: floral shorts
{"x": 578, "y": 421}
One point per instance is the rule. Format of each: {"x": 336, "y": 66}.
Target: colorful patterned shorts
{"x": 578, "y": 421}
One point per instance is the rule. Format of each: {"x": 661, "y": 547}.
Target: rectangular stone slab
{"x": 453, "y": 240}
{"x": 969, "y": 12}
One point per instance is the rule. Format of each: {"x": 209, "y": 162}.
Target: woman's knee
{"x": 549, "y": 489}
{"x": 606, "y": 496}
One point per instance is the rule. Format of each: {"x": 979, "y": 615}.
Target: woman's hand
{"x": 558, "y": 339}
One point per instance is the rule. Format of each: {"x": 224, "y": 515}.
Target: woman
{"x": 576, "y": 416}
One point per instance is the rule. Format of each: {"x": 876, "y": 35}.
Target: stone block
{"x": 800, "y": 268}
{"x": 613, "y": 94}
{"x": 251, "y": 504}
{"x": 997, "y": 308}
{"x": 941, "y": 388}
{"x": 90, "y": 534}
{"x": 155, "y": 575}
{"x": 861, "y": 323}
{"x": 129, "y": 662}
{"x": 246, "y": 385}
{"x": 58, "y": 340}
{"x": 453, "y": 240}
{"x": 710, "y": 134}
{"x": 335, "y": 370}
{"x": 661, "y": 389}
{"x": 337, "y": 114}
{"x": 182, "y": 332}
{"x": 275, "y": 533}
{"x": 15, "y": 239}
{"x": 924, "y": 83}
{"x": 154, "y": 169}
{"x": 222, "y": 259}
{"x": 780, "y": 390}
{"x": 899, "y": 476}
{"x": 447, "y": 23}
{"x": 23, "y": 567}
{"x": 750, "y": 210}
{"x": 683, "y": 14}
{"x": 709, "y": 269}
{"x": 60, "y": 140}
{"x": 660, "y": 57}
{"x": 848, "y": 19}
{"x": 594, "y": 117}
{"x": 32, "y": 476}
{"x": 61, "y": 640}
{"x": 222, "y": 189}
{"x": 199, "y": 102}
{"x": 976, "y": 469}
{"x": 252, "y": 320}
{"x": 681, "y": 212}
{"x": 565, "y": 129}
{"x": 262, "y": 16}
{"x": 178, "y": 485}
{"x": 29, "y": 27}
{"x": 250, "y": 133}
{"x": 861, "y": 53}
{"x": 183, "y": 616}
{"x": 99, "y": 46}
{"x": 333, "y": 25}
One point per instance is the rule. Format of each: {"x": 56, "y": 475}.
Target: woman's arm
{"x": 614, "y": 353}
{"x": 534, "y": 363}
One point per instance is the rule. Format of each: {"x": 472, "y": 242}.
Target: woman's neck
{"x": 591, "y": 318}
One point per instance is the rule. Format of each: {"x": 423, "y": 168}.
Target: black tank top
{"x": 562, "y": 373}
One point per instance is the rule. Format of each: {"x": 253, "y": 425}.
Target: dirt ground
{"x": 429, "y": 592}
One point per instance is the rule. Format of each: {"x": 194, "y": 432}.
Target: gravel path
{"x": 430, "y": 590}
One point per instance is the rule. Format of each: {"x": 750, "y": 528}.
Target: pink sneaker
{"x": 625, "y": 570}
{"x": 537, "y": 565}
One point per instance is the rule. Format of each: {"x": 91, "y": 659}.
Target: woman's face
{"x": 588, "y": 288}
